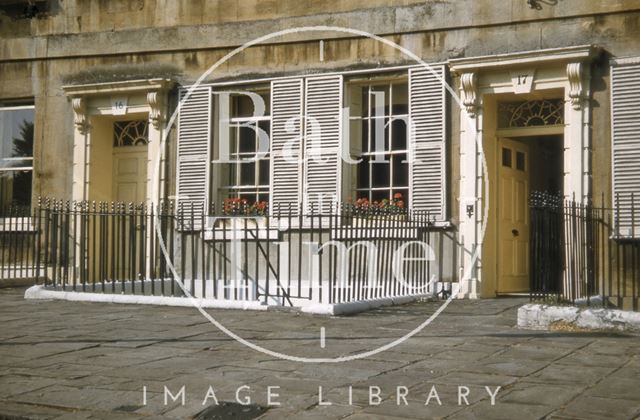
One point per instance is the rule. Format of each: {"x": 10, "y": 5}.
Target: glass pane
{"x": 400, "y": 171}
{"x": 247, "y": 140}
{"x": 248, "y": 173}
{"x": 520, "y": 161}
{"x": 361, "y": 129}
{"x": 380, "y": 176}
{"x": 379, "y": 101}
{"x": 400, "y": 101}
{"x": 16, "y": 131}
{"x": 506, "y": 157}
{"x": 263, "y": 197}
{"x": 379, "y": 127}
{"x": 230, "y": 171}
{"x": 399, "y": 133}
{"x": 379, "y": 195}
{"x": 264, "y": 172}
{"x": 15, "y": 189}
{"x": 241, "y": 106}
{"x": 363, "y": 173}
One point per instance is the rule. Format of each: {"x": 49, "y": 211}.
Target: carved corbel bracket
{"x": 80, "y": 115}
{"x": 157, "y": 103}
{"x": 575, "y": 74}
{"x": 469, "y": 83}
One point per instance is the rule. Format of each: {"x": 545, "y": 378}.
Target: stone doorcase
{"x": 558, "y": 73}
{"x": 96, "y": 107}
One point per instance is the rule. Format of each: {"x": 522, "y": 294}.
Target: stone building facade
{"x": 533, "y": 101}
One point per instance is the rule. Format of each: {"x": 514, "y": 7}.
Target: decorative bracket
{"x": 469, "y": 98}
{"x": 80, "y": 115}
{"x": 157, "y": 114}
{"x": 576, "y": 86}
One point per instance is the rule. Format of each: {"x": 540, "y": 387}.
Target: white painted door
{"x": 130, "y": 174}
{"x": 513, "y": 216}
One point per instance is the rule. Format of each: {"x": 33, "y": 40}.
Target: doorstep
{"x": 536, "y": 316}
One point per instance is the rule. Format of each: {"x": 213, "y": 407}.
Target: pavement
{"x": 74, "y": 360}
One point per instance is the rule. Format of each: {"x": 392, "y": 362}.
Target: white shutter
{"x": 323, "y": 125}
{"x": 625, "y": 119}
{"x": 427, "y": 127}
{"x": 194, "y": 141}
{"x": 286, "y": 140}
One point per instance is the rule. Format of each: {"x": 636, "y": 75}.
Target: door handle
{"x": 515, "y": 232}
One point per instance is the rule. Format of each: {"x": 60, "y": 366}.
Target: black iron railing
{"x": 579, "y": 252}
{"x": 18, "y": 243}
{"x": 281, "y": 256}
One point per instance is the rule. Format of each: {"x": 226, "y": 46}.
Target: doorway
{"x": 524, "y": 165}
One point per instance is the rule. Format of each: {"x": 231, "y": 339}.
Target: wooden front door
{"x": 130, "y": 174}
{"x": 513, "y": 216}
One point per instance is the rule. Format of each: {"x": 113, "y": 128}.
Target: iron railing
{"x": 283, "y": 256}
{"x": 18, "y": 244}
{"x": 580, "y": 254}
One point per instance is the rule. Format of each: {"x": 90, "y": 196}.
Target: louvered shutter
{"x": 625, "y": 112}
{"x": 427, "y": 136}
{"x": 286, "y": 143}
{"x": 194, "y": 134}
{"x": 323, "y": 107}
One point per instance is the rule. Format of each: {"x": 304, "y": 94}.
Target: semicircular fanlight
{"x": 130, "y": 133}
{"x": 532, "y": 113}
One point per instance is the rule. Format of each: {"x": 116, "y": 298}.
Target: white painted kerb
{"x": 39, "y": 292}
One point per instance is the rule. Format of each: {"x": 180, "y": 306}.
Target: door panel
{"x": 513, "y": 217}
{"x": 130, "y": 174}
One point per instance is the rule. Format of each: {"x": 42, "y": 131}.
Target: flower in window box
{"x": 258, "y": 208}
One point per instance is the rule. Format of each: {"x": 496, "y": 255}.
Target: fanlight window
{"x": 130, "y": 133}
{"x": 531, "y": 113}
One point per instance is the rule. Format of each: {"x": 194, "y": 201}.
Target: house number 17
{"x": 522, "y": 80}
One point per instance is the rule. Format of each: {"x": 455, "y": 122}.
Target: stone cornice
{"x": 129, "y": 86}
{"x": 582, "y": 53}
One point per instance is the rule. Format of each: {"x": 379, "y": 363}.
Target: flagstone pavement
{"x": 67, "y": 360}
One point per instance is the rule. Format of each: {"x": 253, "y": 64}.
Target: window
{"x": 16, "y": 156}
{"x": 520, "y": 158}
{"x": 246, "y": 176}
{"x": 130, "y": 133}
{"x": 506, "y": 157}
{"x": 537, "y": 113}
{"x": 378, "y": 119}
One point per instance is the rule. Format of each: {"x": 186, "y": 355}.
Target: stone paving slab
{"x": 76, "y": 360}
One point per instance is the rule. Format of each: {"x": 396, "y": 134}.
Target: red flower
{"x": 400, "y": 204}
{"x": 397, "y": 196}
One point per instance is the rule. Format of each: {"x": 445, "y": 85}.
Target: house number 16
{"x": 119, "y": 105}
